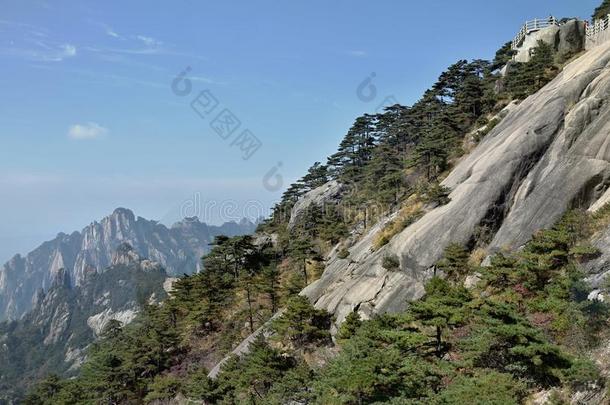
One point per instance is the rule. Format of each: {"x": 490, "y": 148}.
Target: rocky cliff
{"x": 84, "y": 253}
{"x": 566, "y": 39}
{"x": 550, "y": 153}
{"x": 64, "y": 320}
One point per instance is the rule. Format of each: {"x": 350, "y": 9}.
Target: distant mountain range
{"x": 64, "y": 320}
{"x": 82, "y": 254}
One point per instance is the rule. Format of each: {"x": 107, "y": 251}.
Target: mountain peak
{"x": 99, "y": 246}
{"x": 124, "y": 212}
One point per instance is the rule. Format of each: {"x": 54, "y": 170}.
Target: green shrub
{"x": 486, "y": 387}
{"x": 349, "y": 326}
{"x": 198, "y": 386}
{"x": 343, "y": 254}
{"x": 454, "y": 262}
{"x": 582, "y": 373}
{"x": 436, "y": 194}
{"x": 390, "y": 262}
{"x": 163, "y": 387}
{"x": 482, "y": 133}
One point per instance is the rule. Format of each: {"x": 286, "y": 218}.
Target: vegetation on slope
{"x": 524, "y": 327}
{"x": 602, "y": 10}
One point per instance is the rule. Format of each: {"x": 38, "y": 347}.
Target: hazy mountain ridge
{"x": 64, "y": 321}
{"x": 178, "y": 249}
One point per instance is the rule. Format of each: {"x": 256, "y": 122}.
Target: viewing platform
{"x": 598, "y": 32}
{"x": 598, "y": 26}
{"x": 533, "y": 26}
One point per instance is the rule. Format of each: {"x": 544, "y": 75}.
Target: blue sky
{"x": 88, "y": 120}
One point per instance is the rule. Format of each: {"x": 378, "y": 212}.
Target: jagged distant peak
{"x": 94, "y": 249}
{"x": 188, "y": 222}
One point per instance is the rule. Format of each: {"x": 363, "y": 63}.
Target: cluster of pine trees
{"x": 602, "y": 11}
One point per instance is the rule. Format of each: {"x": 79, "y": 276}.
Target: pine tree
{"x": 454, "y": 262}
{"x": 332, "y": 227}
{"x": 442, "y": 307}
{"x": 438, "y": 136}
{"x": 248, "y": 379}
{"x": 503, "y": 56}
{"x": 349, "y": 326}
{"x": 302, "y": 324}
{"x": 355, "y": 150}
{"x": 527, "y": 78}
{"x": 316, "y": 176}
{"x": 301, "y": 249}
{"x": 501, "y": 273}
{"x": 384, "y": 174}
{"x": 602, "y": 10}
{"x": 270, "y": 285}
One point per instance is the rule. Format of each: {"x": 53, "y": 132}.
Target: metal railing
{"x": 598, "y": 26}
{"x": 532, "y": 26}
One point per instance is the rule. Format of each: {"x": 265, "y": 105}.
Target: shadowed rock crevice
{"x": 499, "y": 210}
{"x": 590, "y": 192}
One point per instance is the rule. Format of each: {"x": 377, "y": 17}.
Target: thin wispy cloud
{"x": 111, "y": 33}
{"x": 18, "y": 24}
{"x": 67, "y": 51}
{"x": 206, "y": 80}
{"x": 97, "y": 77}
{"x": 357, "y": 53}
{"x": 134, "y": 45}
{"x": 88, "y": 131}
{"x": 33, "y": 43}
{"x": 149, "y": 41}
{"x": 41, "y": 52}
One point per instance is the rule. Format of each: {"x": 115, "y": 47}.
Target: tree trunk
{"x": 250, "y": 310}
{"x": 305, "y": 271}
{"x": 273, "y": 298}
{"x": 438, "y": 341}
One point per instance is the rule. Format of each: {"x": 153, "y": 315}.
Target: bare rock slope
{"x": 549, "y": 154}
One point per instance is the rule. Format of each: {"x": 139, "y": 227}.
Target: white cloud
{"x": 68, "y": 50}
{"x": 87, "y": 131}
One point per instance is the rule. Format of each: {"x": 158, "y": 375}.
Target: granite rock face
{"x": 549, "y": 154}
{"x": 178, "y": 249}
{"x": 329, "y": 193}
{"x": 566, "y": 39}
{"x": 598, "y": 269}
